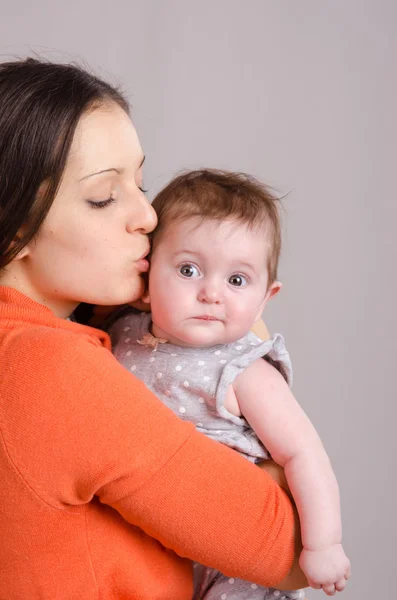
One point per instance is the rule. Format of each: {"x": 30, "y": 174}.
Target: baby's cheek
{"x": 242, "y": 315}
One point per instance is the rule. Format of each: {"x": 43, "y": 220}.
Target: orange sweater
{"x": 103, "y": 489}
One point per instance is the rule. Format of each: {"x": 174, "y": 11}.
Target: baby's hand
{"x": 328, "y": 569}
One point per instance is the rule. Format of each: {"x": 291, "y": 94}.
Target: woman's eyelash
{"x": 101, "y": 203}
{"x": 110, "y": 200}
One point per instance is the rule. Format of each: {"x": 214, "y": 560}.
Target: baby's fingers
{"x": 314, "y": 584}
{"x": 348, "y": 572}
{"x": 329, "y": 589}
{"x": 341, "y": 584}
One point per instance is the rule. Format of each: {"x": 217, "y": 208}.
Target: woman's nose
{"x": 144, "y": 217}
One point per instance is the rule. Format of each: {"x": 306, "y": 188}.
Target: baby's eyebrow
{"x": 185, "y": 251}
{"x": 246, "y": 265}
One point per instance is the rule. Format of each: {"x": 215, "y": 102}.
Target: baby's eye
{"x": 189, "y": 270}
{"x": 238, "y": 280}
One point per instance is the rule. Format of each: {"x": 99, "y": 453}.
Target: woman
{"x": 102, "y": 495}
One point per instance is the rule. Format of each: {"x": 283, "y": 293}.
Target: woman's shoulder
{"x": 48, "y": 336}
{"x": 46, "y": 371}
{"x": 39, "y": 350}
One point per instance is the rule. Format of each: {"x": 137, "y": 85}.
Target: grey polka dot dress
{"x": 193, "y": 383}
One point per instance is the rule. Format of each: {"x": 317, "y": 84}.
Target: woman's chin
{"x": 136, "y": 294}
{"x": 126, "y": 295}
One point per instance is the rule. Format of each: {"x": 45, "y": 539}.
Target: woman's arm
{"x": 103, "y": 434}
{"x": 295, "y": 578}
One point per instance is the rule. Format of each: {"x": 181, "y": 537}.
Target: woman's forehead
{"x": 105, "y": 138}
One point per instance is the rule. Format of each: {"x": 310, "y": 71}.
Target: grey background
{"x": 303, "y": 95}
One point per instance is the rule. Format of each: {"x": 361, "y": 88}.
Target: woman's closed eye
{"x": 101, "y": 203}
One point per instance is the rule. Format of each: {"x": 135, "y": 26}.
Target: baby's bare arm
{"x": 267, "y": 403}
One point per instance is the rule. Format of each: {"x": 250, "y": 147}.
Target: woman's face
{"x": 90, "y": 246}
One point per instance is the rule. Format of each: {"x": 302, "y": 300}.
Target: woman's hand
{"x": 277, "y": 473}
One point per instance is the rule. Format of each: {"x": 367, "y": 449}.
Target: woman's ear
{"x": 22, "y": 253}
{"x": 271, "y": 292}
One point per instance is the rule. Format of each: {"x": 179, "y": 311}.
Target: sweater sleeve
{"x": 81, "y": 425}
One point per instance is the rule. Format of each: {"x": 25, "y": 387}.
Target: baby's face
{"x": 208, "y": 282}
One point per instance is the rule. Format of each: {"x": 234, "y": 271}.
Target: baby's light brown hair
{"x": 220, "y": 195}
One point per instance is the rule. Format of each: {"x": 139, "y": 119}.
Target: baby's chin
{"x": 197, "y": 339}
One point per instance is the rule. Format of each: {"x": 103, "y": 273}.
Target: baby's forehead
{"x": 197, "y": 226}
{"x": 229, "y": 240}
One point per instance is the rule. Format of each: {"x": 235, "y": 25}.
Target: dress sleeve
{"x": 89, "y": 428}
{"x": 250, "y": 349}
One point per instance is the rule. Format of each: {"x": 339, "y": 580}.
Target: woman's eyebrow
{"x": 99, "y": 173}
{"x": 109, "y": 170}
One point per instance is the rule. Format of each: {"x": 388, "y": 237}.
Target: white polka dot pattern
{"x": 192, "y": 382}
{"x": 185, "y": 379}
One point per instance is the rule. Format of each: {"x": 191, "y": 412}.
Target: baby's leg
{"x": 209, "y": 584}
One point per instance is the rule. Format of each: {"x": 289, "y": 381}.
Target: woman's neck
{"x": 60, "y": 307}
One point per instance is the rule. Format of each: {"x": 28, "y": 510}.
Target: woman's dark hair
{"x": 41, "y": 104}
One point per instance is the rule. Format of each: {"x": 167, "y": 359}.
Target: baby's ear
{"x": 146, "y": 297}
{"x": 271, "y": 292}
{"x": 143, "y": 303}
{"x": 144, "y": 300}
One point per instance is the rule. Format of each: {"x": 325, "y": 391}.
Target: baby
{"x": 213, "y": 270}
